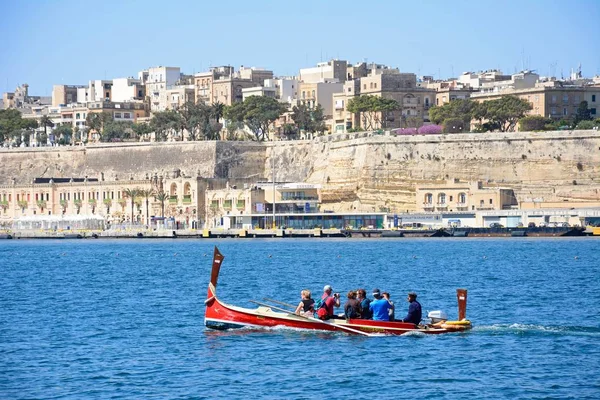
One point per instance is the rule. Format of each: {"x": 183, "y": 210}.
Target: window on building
{"x": 428, "y": 198}
{"x": 451, "y": 198}
{"x": 593, "y": 111}
{"x": 566, "y": 98}
{"x": 593, "y": 98}
{"x": 375, "y": 85}
{"x": 442, "y": 198}
{"x": 365, "y": 86}
{"x": 462, "y": 198}
{"x": 565, "y": 112}
{"x": 553, "y": 98}
{"x": 576, "y": 99}
{"x": 126, "y": 115}
{"x": 491, "y": 201}
{"x": 313, "y": 94}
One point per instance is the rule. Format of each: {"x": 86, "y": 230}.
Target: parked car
{"x": 496, "y": 225}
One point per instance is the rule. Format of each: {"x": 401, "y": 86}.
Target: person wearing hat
{"x": 380, "y": 307}
{"x": 414, "y": 310}
{"x": 329, "y": 302}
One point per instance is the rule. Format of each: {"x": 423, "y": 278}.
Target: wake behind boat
{"x": 222, "y": 316}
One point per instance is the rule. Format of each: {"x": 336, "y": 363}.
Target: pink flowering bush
{"x": 430, "y": 130}
{"x": 406, "y": 131}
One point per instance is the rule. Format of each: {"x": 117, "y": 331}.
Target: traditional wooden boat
{"x": 222, "y": 316}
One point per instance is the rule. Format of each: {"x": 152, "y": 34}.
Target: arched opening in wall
{"x": 428, "y": 199}
{"x": 187, "y": 189}
{"x": 173, "y": 189}
{"x": 442, "y": 198}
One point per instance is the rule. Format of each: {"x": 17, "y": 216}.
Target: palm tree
{"x": 162, "y": 197}
{"x": 146, "y": 193}
{"x": 46, "y": 122}
{"x": 217, "y": 110}
{"x": 132, "y": 194}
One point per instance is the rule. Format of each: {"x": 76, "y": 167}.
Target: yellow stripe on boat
{"x": 465, "y": 322}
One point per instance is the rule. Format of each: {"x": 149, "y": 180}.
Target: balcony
{"x": 187, "y": 199}
{"x": 240, "y": 205}
{"x": 173, "y": 200}
{"x": 427, "y": 205}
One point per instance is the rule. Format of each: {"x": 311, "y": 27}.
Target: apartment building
{"x": 552, "y": 99}
{"x": 65, "y": 94}
{"x": 325, "y": 71}
{"x": 222, "y": 84}
{"x": 414, "y": 101}
{"x": 157, "y": 81}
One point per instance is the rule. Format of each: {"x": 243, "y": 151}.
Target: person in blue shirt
{"x": 380, "y": 307}
{"x": 414, "y": 310}
{"x": 365, "y": 312}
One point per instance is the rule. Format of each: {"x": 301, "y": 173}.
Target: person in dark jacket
{"x": 352, "y": 306}
{"x": 414, "y": 310}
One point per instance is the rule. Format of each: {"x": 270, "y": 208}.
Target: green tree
{"x": 463, "y": 109}
{"x": 588, "y": 124}
{"x": 454, "y": 125}
{"x": 162, "y": 197}
{"x": 115, "y": 131}
{"x": 373, "y": 110}
{"x": 308, "y": 119}
{"x": 46, "y": 122}
{"x": 217, "y": 110}
{"x": 63, "y": 134}
{"x": 164, "y": 121}
{"x": 131, "y": 194}
{"x": 257, "y": 112}
{"x": 504, "y": 112}
{"x": 583, "y": 113}
{"x": 533, "y": 123}
{"x": 146, "y": 194}
{"x": 140, "y": 129}
{"x": 12, "y": 125}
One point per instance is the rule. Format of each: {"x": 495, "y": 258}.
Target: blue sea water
{"x": 123, "y": 319}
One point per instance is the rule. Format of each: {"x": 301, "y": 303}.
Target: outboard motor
{"x": 437, "y": 316}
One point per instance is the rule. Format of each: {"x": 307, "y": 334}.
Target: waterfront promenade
{"x": 297, "y": 233}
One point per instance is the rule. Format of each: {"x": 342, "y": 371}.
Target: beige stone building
{"x": 107, "y": 199}
{"x": 389, "y": 83}
{"x": 64, "y": 94}
{"x": 555, "y": 100}
{"x": 454, "y": 195}
{"x": 224, "y": 85}
{"x": 333, "y": 70}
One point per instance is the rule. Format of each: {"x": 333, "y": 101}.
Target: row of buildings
{"x": 185, "y": 202}
{"x": 330, "y": 84}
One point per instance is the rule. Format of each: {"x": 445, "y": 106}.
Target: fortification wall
{"x": 358, "y": 171}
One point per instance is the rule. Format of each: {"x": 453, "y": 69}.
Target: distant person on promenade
{"x": 352, "y": 306}
{"x": 392, "y": 310}
{"x": 328, "y": 301}
{"x": 365, "y": 312}
{"x": 414, "y": 310}
{"x": 306, "y": 307}
{"x": 380, "y": 307}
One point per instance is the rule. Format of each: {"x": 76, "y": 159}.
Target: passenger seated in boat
{"x": 414, "y": 310}
{"x": 365, "y": 312}
{"x": 330, "y": 301}
{"x": 352, "y": 306}
{"x": 392, "y": 310}
{"x": 380, "y": 307}
{"x": 306, "y": 307}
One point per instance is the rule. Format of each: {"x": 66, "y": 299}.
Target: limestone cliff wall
{"x": 358, "y": 171}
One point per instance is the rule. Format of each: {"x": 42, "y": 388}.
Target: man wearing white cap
{"x": 329, "y": 302}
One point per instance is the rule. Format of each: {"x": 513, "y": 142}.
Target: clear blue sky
{"x": 46, "y": 42}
